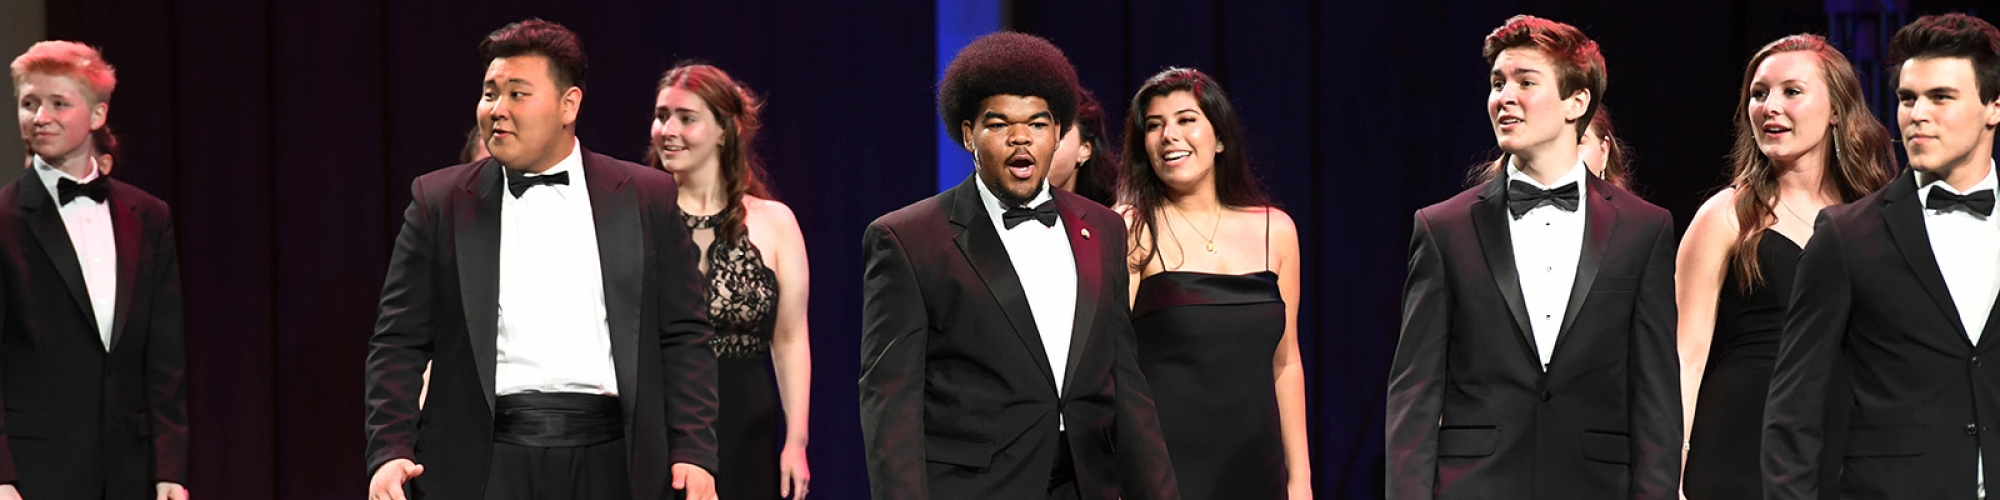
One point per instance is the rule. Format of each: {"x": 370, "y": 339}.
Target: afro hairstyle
{"x": 1006, "y": 63}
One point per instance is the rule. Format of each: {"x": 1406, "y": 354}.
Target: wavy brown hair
{"x": 736, "y": 110}
{"x": 1617, "y": 154}
{"x": 1860, "y": 161}
{"x": 1142, "y": 189}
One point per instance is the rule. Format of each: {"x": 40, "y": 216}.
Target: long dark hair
{"x": 735, "y": 109}
{"x": 1859, "y": 163}
{"x": 1096, "y": 178}
{"x": 1142, "y": 189}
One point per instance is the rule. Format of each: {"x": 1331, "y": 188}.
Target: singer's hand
{"x": 388, "y": 481}
{"x": 170, "y": 491}
{"x": 694, "y": 481}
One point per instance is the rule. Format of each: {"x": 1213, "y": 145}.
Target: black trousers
{"x": 1062, "y": 478}
{"x": 569, "y": 446}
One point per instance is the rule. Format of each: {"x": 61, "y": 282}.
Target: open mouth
{"x": 1172, "y": 158}
{"x": 1022, "y": 165}
{"x": 1775, "y": 130}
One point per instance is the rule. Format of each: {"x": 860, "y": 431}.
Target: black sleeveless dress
{"x": 1724, "y": 459}
{"x": 743, "y": 304}
{"x": 1205, "y": 344}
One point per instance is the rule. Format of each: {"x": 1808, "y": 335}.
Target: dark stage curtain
{"x": 285, "y": 135}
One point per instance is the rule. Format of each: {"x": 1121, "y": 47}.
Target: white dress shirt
{"x": 1967, "y": 247}
{"x": 553, "y": 336}
{"x": 1547, "y": 242}
{"x": 1042, "y": 258}
{"x": 89, "y": 224}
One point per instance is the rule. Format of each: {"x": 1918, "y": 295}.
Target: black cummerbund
{"x": 556, "y": 419}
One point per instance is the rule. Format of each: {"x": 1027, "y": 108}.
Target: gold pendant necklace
{"x": 1210, "y": 237}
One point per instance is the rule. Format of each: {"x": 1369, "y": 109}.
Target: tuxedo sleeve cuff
{"x": 704, "y": 460}
{"x": 387, "y": 453}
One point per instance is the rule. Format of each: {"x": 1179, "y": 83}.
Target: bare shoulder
{"x": 1123, "y": 210}
{"x": 769, "y": 210}
{"x": 1281, "y": 222}
{"x": 1717, "y": 216}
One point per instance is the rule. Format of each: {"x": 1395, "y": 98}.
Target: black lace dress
{"x": 743, "y": 304}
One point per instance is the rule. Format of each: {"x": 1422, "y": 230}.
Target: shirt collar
{"x": 1575, "y": 175}
{"x": 50, "y": 175}
{"x": 572, "y": 164}
{"x": 1926, "y": 181}
{"x": 992, "y": 202}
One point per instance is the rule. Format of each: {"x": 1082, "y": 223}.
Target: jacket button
{"x": 1971, "y": 428}
{"x": 1545, "y": 396}
{"x": 1975, "y": 361}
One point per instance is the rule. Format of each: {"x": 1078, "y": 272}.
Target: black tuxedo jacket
{"x": 1471, "y": 412}
{"x": 81, "y": 422}
{"x": 1924, "y": 403}
{"x": 440, "y": 303}
{"x": 958, "y": 399}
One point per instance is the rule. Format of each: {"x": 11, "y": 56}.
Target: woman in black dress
{"x": 1215, "y": 277}
{"x": 1805, "y": 139}
{"x": 755, "y": 260}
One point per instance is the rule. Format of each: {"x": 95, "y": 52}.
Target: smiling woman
{"x": 1214, "y": 295}
{"x": 1805, "y": 139}
{"x": 705, "y": 126}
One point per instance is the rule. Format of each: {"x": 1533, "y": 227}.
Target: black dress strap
{"x": 1267, "y": 238}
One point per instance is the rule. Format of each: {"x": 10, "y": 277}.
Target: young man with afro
{"x": 997, "y": 352}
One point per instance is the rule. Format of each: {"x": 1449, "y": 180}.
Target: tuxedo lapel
{"x": 1600, "y": 224}
{"x": 126, "y": 233}
{"x": 620, "y": 254}
{"x": 981, "y": 244}
{"x": 1089, "y": 282}
{"x": 46, "y": 224}
{"x": 1903, "y": 216}
{"x": 477, "y": 241}
{"x": 1490, "y": 221}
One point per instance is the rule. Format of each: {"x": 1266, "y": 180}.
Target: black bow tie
{"x": 518, "y": 182}
{"x": 1044, "y": 213}
{"x": 1522, "y": 197}
{"x": 1978, "y": 202}
{"x": 97, "y": 189}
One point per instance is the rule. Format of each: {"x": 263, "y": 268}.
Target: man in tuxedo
{"x": 1901, "y": 284}
{"x": 997, "y": 352}
{"x": 556, "y": 291}
{"x": 90, "y": 304}
{"x": 1537, "y": 354}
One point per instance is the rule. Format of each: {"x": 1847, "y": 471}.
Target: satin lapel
{"x": 126, "y": 234}
{"x": 1600, "y": 225}
{"x": 45, "y": 223}
{"x": 980, "y": 243}
{"x": 621, "y": 258}
{"x": 1903, "y": 216}
{"x": 1089, "y": 255}
{"x": 1490, "y": 219}
{"x": 477, "y": 240}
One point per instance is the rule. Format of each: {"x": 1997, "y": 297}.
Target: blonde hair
{"x": 67, "y": 59}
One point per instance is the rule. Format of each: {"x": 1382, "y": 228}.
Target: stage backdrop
{"x": 285, "y": 135}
